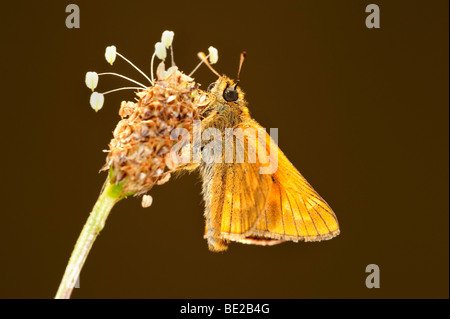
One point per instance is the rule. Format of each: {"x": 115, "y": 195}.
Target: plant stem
{"x": 108, "y": 198}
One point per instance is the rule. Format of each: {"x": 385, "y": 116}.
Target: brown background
{"x": 362, "y": 113}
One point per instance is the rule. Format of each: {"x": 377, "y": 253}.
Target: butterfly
{"x": 242, "y": 204}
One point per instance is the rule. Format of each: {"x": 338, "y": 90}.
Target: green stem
{"x": 109, "y": 197}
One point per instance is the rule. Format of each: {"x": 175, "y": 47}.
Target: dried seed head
{"x": 126, "y": 109}
{"x": 139, "y": 152}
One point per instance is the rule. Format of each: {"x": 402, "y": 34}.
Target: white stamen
{"x": 151, "y": 68}
{"x": 120, "y": 89}
{"x": 160, "y": 51}
{"x": 198, "y": 65}
{"x": 91, "y": 80}
{"x": 147, "y": 201}
{"x": 213, "y": 55}
{"x": 124, "y": 77}
{"x": 167, "y": 38}
{"x": 171, "y": 55}
{"x": 134, "y": 67}
{"x": 110, "y": 54}
{"x": 97, "y": 100}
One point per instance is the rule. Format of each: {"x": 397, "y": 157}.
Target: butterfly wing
{"x": 235, "y": 194}
{"x": 294, "y": 210}
{"x": 246, "y": 206}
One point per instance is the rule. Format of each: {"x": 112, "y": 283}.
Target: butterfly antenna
{"x": 243, "y": 55}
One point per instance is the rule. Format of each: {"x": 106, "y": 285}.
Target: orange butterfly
{"x": 243, "y": 205}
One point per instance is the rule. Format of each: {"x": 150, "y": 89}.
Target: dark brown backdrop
{"x": 363, "y": 114}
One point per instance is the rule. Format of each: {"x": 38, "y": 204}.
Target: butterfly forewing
{"x": 293, "y": 209}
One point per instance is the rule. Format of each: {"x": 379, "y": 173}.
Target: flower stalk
{"x": 140, "y": 152}
{"x": 111, "y": 194}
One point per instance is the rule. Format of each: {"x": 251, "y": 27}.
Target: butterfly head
{"x": 226, "y": 90}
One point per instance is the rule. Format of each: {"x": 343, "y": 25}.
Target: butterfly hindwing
{"x": 235, "y": 194}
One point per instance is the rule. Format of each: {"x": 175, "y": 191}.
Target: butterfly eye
{"x": 211, "y": 86}
{"x": 230, "y": 94}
